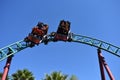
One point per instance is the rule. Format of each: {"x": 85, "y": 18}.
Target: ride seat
{"x": 37, "y": 31}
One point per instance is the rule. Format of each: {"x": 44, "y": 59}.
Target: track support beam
{"x": 103, "y": 65}
{"x": 7, "y": 67}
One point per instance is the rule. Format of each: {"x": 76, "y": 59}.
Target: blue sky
{"x": 99, "y": 19}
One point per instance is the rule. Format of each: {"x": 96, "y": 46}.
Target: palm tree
{"x": 55, "y": 76}
{"x": 0, "y": 76}
{"x": 23, "y": 75}
{"x": 73, "y": 77}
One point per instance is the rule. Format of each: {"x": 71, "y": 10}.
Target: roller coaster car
{"x": 36, "y": 36}
{"x": 62, "y": 31}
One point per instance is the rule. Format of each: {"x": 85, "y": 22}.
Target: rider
{"x": 64, "y": 27}
{"x": 40, "y": 29}
{"x": 37, "y": 34}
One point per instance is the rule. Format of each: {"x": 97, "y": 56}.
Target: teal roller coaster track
{"x": 20, "y": 45}
{"x": 10, "y": 50}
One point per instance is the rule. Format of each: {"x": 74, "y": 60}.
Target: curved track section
{"x": 96, "y": 43}
{"x": 12, "y": 49}
{"x": 20, "y": 45}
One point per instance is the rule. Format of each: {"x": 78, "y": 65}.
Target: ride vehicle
{"x": 62, "y": 31}
{"x": 37, "y": 34}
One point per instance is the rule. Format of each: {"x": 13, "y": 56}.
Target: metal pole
{"x": 101, "y": 65}
{"x": 108, "y": 70}
{"x": 6, "y": 68}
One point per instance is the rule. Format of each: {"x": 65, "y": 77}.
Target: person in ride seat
{"x": 45, "y": 28}
{"x": 40, "y": 25}
{"x": 37, "y": 34}
{"x": 40, "y": 29}
{"x": 64, "y": 27}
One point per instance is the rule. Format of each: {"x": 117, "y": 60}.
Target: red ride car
{"x": 36, "y": 36}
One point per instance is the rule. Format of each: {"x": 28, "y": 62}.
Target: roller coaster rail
{"x": 96, "y": 43}
{"x": 20, "y": 45}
